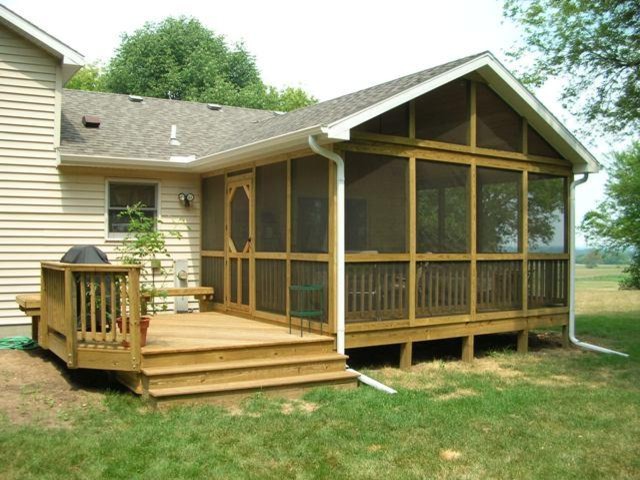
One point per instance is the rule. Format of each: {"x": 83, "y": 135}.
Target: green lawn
{"x": 550, "y": 414}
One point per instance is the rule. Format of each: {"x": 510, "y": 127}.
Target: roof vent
{"x": 214, "y": 106}
{"x": 174, "y": 136}
{"x": 91, "y": 121}
{"x": 135, "y": 98}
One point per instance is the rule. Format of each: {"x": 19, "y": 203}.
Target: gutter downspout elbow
{"x": 572, "y": 275}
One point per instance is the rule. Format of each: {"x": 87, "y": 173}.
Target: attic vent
{"x": 91, "y": 121}
{"x": 214, "y": 106}
{"x": 135, "y": 98}
{"x": 173, "y": 139}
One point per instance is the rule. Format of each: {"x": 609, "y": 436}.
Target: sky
{"x": 328, "y": 48}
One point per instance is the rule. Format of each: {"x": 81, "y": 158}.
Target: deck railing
{"x": 89, "y": 306}
{"x": 376, "y": 291}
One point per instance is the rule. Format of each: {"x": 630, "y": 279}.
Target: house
{"x": 436, "y": 205}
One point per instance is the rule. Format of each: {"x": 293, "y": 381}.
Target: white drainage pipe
{"x": 372, "y": 382}
{"x": 572, "y": 275}
{"x": 340, "y": 259}
{"x": 340, "y": 200}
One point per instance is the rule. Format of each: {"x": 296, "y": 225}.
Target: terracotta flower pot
{"x": 144, "y": 326}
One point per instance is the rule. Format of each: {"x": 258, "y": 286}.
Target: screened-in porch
{"x": 456, "y": 212}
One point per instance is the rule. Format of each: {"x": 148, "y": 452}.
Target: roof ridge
{"x": 147, "y": 97}
{"x": 458, "y": 60}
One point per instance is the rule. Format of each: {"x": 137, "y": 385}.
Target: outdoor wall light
{"x": 186, "y": 198}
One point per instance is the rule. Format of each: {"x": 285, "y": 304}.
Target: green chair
{"x": 306, "y": 302}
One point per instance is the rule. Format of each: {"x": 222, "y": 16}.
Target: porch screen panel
{"x": 499, "y": 286}
{"x": 376, "y": 203}
{"x": 394, "y": 122}
{"x": 271, "y": 285}
{"x": 498, "y": 210}
{"x": 536, "y": 145}
{"x": 213, "y": 276}
{"x": 376, "y": 291}
{"x": 213, "y": 213}
{"x": 309, "y": 204}
{"x": 311, "y": 273}
{"x": 498, "y": 126}
{"x": 442, "y": 288}
{"x": 443, "y": 114}
{"x": 271, "y": 207}
{"x": 547, "y": 213}
{"x": 442, "y": 207}
{"x": 233, "y": 274}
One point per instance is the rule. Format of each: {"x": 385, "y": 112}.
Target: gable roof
{"x": 71, "y": 59}
{"x": 258, "y": 133}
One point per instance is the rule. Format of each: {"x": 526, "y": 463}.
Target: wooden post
{"x": 134, "y": 317}
{"x": 565, "y": 336}
{"x": 406, "y": 355}
{"x": 523, "y": 341}
{"x": 43, "y": 328}
{"x": 70, "y": 318}
{"x": 467, "y": 348}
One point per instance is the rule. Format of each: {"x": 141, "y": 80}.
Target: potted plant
{"x": 145, "y": 245}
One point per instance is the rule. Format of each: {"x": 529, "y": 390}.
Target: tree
{"x": 179, "y": 58}
{"x": 594, "y": 46}
{"x": 615, "y": 224}
{"x": 89, "y": 77}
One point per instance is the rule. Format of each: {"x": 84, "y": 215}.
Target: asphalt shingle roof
{"x": 142, "y": 130}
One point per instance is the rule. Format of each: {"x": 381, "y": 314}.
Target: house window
{"x": 125, "y": 194}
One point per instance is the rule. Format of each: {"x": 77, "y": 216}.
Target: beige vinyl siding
{"x": 43, "y": 210}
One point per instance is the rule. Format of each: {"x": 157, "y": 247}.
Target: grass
{"x": 551, "y": 414}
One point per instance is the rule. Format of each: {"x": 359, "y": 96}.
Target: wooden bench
{"x": 29, "y": 303}
{"x": 204, "y": 295}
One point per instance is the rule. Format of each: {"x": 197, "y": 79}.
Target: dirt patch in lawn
{"x": 37, "y": 388}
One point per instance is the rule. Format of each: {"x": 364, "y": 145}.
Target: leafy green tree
{"x": 180, "y": 58}
{"x": 89, "y": 77}
{"x": 615, "y": 224}
{"x": 594, "y": 46}
{"x": 592, "y": 259}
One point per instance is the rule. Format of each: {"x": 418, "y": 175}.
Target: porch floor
{"x": 207, "y": 330}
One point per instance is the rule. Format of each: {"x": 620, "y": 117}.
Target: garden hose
{"x": 17, "y": 343}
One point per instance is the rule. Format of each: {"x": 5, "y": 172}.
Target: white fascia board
{"x": 527, "y": 105}
{"x": 499, "y": 78}
{"x": 261, "y": 148}
{"x": 71, "y": 60}
{"x": 97, "y": 161}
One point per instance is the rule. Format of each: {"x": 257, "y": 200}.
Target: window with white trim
{"x": 123, "y": 194}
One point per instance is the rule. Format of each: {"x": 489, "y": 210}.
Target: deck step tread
{"x": 154, "y": 350}
{"x": 239, "y": 364}
{"x": 319, "y": 378}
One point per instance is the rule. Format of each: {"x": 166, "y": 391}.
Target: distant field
{"x": 597, "y": 291}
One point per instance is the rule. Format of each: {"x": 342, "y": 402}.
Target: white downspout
{"x": 340, "y": 258}
{"x": 572, "y": 275}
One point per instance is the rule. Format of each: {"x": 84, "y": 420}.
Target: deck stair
{"x": 223, "y": 374}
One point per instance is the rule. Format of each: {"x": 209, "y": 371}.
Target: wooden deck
{"x": 214, "y": 329}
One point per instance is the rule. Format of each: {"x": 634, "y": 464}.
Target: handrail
{"x": 90, "y": 305}
{"x": 89, "y": 267}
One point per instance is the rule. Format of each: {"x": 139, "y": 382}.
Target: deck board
{"x": 215, "y": 329}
